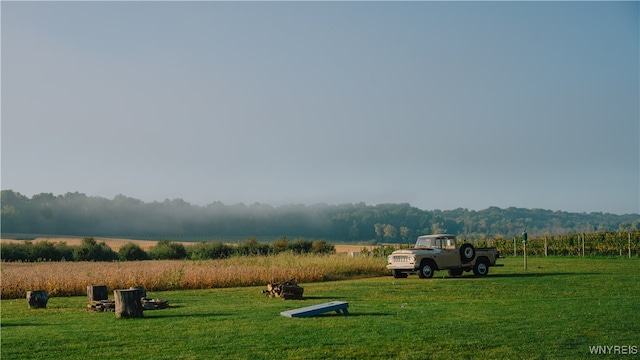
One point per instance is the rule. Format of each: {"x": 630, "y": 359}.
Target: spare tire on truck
{"x": 467, "y": 253}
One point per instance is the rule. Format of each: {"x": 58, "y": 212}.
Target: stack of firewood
{"x": 101, "y": 305}
{"x": 285, "y": 290}
{"x": 154, "y": 304}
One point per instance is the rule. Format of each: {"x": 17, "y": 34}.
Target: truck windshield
{"x": 435, "y": 243}
{"x": 428, "y": 243}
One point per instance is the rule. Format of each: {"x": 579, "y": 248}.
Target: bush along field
{"x": 92, "y": 250}
{"x": 559, "y": 308}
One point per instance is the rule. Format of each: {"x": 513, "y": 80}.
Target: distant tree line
{"x": 92, "y": 250}
{"x": 77, "y": 214}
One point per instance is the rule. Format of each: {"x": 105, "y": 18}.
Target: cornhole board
{"x": 336, "y": 306}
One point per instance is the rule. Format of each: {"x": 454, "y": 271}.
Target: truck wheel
{"x": 481, "y": 268}
{"x": 399, "y": 274}
{"x": 467, "y": 253}
{"x": 455, "y": 272}
{"x": 426, "y": 270}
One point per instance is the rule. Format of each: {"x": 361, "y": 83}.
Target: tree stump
{"x": 128, "y": 303}
{"x": 143, "y": 292}
{"x": 37, "y": 299}
{"x": 97, "y": 293}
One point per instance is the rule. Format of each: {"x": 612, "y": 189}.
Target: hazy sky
{"x": 437, "y": 104}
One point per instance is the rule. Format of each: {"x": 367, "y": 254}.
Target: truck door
{"x": 449, "y": 256}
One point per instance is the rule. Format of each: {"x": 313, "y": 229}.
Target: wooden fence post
{"x": 128, "y": 303}
{"x": 545, "y": 246}
{"x": 525, "y": 238}
{"x": 583, "y": 235}
{"x": 629, "y": 244}
{"x": 514, "y": 248}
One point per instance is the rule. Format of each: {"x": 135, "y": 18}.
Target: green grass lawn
{"x": 558, "y": 308}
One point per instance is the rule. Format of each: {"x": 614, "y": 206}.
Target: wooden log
{"x": 154, "y": 304}
{"x": 97, "y": 292}
{"x": 101, "y": 305}
{"x": 291, "y": 292}
{"x": 37, "y": 299}
{"x": 128, "y": 303}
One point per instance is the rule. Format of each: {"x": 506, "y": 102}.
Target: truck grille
{"x": 400, "y": 259}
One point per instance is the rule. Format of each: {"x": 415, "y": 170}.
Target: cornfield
{"x": 72, "y": 278}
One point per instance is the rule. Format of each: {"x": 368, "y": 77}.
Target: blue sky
{"x": 437, "y": 104}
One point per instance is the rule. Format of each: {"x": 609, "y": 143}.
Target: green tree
{"x": 354, "y": 231}
{"x": 301, "y": 246}
{"x": 379, "y": 229}
{"x": 390, "y": 232}
{"x": 322, "y": 247}
{"x": 251, "y": 246}
{"x": 167, "y": 250}
{"x": 405, "y": 233}
{"x": 132, "y": 252}
{"x": 436, "y": 228}
{"x": 16, "y": 251}
{"x": 64, "y": 251}
{"x": 210, "y": 250}
{"x": 280, "y": 245}
{"x": 45, "y": 251}
{"x": 91, "y": 250}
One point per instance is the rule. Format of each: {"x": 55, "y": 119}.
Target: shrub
{"x": 322, "y": 247}
{"x": 252, "y": 247}
{"x": 46, "y": 251}
{"x": 301, "y": 246}
{"x": 167, "y": 250}
{"x": 210, "y": 250}
{"x": 64, "y": 251}
{"x": 132, "y": 252}
{"x": 16, "y": 252}
{"x": 90, "y": 250}
{"x": 280, "y": 245}
{"x": 383, "y": 251}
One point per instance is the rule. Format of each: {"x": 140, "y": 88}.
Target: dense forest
{"x": 76, "y": 214}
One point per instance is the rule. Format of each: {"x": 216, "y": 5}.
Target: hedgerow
{"x": 91, "y": 250}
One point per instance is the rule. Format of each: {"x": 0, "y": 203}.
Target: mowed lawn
{"x": 558, "y": 308}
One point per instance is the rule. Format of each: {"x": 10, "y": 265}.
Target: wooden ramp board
{"x": 336, "y": 306}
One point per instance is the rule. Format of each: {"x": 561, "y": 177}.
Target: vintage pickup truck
{"x": 441, "y": 252}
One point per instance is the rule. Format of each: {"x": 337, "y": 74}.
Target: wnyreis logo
{"x": 614, "y": 350}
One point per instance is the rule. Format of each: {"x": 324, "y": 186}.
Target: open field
{"x": 559, "y": 308}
